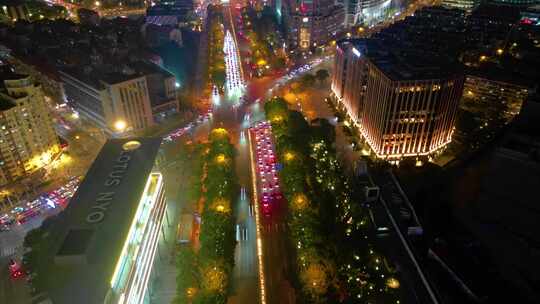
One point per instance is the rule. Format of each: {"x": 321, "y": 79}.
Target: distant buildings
{"x": 521, "y": 3}
{"x": 312, "y": 23}
{"x": 88, "y": 17}
{"x": 15, "y": 10}
{"x": 402, "y": 86}
{"x": 172, "y": 15}
{"x": 104, "y": 72}
{"x": 402, "y": 104}
{"x": 487, "y": 88}
{"x": 27, "y": 138}
{"x": 466, "y": 5}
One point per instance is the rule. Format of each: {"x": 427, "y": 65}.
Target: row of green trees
{"x": 216, "y": 36}
{"x": 204, "y": 272}
{"x": 325, "y": 211}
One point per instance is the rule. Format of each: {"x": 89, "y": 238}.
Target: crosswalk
{"x": 7, "y": 251}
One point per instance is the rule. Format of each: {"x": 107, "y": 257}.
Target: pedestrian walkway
{"x": 8, "y": 251}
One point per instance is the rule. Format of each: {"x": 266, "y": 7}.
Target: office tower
{"x": 404, "y": 103}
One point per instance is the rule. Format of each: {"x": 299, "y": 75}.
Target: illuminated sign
{"x": 114, "y": 178}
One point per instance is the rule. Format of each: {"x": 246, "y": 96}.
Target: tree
{"x": 188, "y": 274}
{"x": 307, "y": 81}
{"x": 322, "y": 75}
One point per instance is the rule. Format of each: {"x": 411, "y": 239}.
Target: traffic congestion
{"x": 57, "y": 198}
{"x": 267, "y": 176}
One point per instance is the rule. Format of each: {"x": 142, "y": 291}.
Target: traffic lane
{"x": 398, "y": 253}
{"x": 12, "y": 290}
{"x": 278, "y": 288}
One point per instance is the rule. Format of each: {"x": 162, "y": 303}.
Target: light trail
{"x": 234, "y": 81}
{"x": 257, "y": 223}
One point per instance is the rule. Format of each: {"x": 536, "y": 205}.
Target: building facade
{"x": 116, "y": 103}
{"x": 28, "y": 141}
{"x": 402, "y": 108}
{"x": 106, "y": 240}
{"x": 483, "y": 89}
{"x": 408, "y": 117}
{"x": 466, "y": 5}
{"x": 312, "y": 23}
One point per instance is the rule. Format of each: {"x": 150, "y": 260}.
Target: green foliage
{"x": 307, "y": 81}
{"x": 209, "y": 270}
{"x": 321, "y": 75}
{"x": 326, "y": 274}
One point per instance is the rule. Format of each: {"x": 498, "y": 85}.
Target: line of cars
{"x": 58, "y": 197}
{"x": 270, "y": 191}
{"x": 181, "y": 131}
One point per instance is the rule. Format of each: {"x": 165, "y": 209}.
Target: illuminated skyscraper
{"x": 102, "y": 247}
{"x": 403, "y": 104}
{"x": 27, "y": 138}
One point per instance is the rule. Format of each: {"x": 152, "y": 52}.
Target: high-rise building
{"x": 312, "y": 23}
{"x": 102, "y": 246}
{"x": 27, "y": 138}
{"x": 521, "y": 3}
{"x": 403, "y": 104}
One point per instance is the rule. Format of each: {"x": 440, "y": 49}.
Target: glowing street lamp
{"x": 289, "y": 156}
{"x": 221, "y": 159}
{"x": 120, "y": 125}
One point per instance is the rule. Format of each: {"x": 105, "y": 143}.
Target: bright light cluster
{"x": 260, "y": 264}
{"x": 132, "y": 272}
{"x": 234, "y": 82}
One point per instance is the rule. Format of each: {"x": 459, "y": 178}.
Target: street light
{"x": 120, "y": 125}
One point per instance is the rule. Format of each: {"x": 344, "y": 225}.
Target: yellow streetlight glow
{"x": 483, "y": 58}
{"x": 120, "y": 125}
{"x": 500, "y": 51}
{"x": 289, "y": 156}
{"x": 97, "y": 3}
{"x": 392, "y": 283}
{"x": 220, "y": 159}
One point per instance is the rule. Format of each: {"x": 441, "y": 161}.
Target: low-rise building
{"x": 120, "y": 101}
{"x": 488, "y": 88}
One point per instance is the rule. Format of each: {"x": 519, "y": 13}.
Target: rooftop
{"x": 90, "y": 233}
{"x": 405, "y": 63}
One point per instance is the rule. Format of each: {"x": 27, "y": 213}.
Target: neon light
{"x": 257, "y": 224}
{"x": 131, "y": 274}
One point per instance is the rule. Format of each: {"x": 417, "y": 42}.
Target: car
{"x": 15, "y": 270}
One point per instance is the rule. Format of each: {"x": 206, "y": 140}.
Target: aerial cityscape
{"x": 269, "y": 151}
